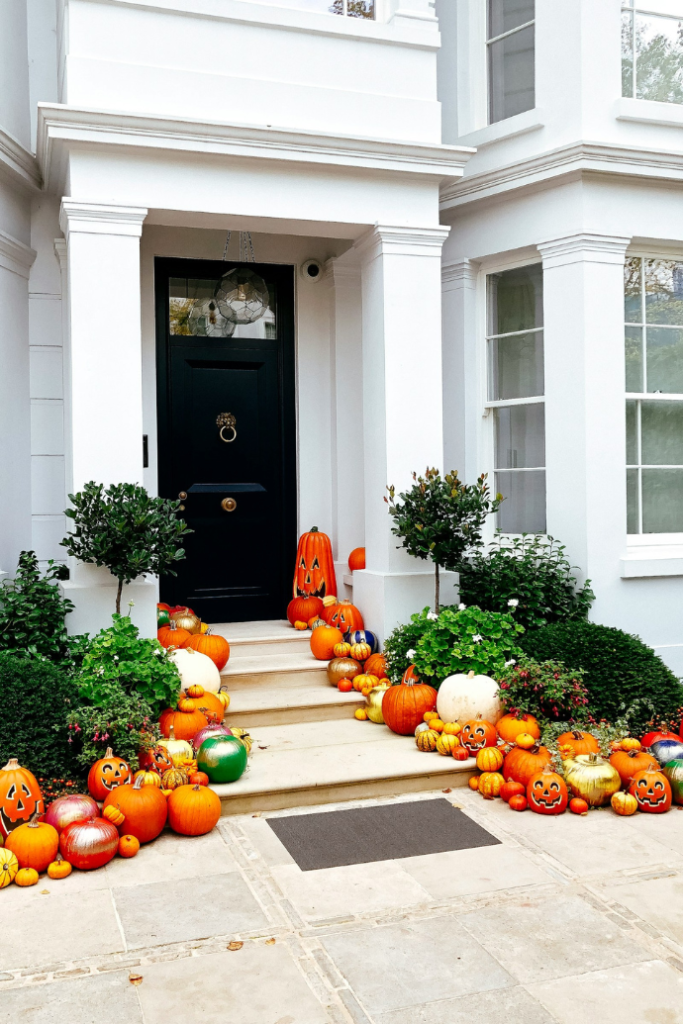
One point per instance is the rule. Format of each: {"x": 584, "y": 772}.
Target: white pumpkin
{"x": 196, "y": 669}
{"x": 462, "y": 697}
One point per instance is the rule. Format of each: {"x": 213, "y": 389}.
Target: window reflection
{"x": 197, "y": 306}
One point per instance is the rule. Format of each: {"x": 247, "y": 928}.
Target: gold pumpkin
{"x": 490, "y": 784}
{"x": 186, "y": 620}
{"x": 592, "y": 778}
{"x": 176, "y": 749}
{"x": 446, "y": 744}
{"x": 427, "y": 740}
{"x": 490, "y": 759}
{"x": 374, "y": 703}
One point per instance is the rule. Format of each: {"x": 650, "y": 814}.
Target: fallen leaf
{"x": 232, "y": 946}
{"x": 270, "y": 942}
{"x": 257, "y": 815}
{"x": 44, "y": 892}
{"x": 135, "y": 979}
{"x": 446, "y": 790}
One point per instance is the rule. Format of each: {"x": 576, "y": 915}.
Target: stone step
{"x": 284, "y": 670}
{"x": 305, "y": 763}
{"x": 262, "y": 639}
{"x": 252, "y": 706}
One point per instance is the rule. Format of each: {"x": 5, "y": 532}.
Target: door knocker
{"x": 226, "y": 421}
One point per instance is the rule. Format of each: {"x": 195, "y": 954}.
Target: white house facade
{"x": 456, "y": 234}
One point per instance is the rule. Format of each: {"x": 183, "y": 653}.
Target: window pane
{"x": 515, "y": 300}
{"x": 664, "y": 292}
{"x": 504, "y": 15}
{"x": 520, "y": 436}
{"x": 360, "y": 9}
{"x": 662, "y": 433}
{"x": 511, "y": 75}
{"x": 662, "y": 500}
{"x": 633, "y": 296}
{"x": 631, "y": 434}
{"x": 626, "y": 54}
{"x": 659, "y": 59}
{"x": 632, "y": 501}
{"x": 523, "y": 510}
{"x": 665, "y": 360}
{"x": 634, "y": 359}
{"x": 673, "y": 7}
{"x": 194, "y": 309}
{"x": 516, "y": 366}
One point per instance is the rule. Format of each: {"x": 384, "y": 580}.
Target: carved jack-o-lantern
{"x": 107, "y": 774}
{"x": 652, "y": 791}
{"x": 477, "y": 734}
{"x": 157, "y": 759}
{"x": 20, "y": 797}
{"x": 547, "y": 793}
{"x": 314, "y": 575}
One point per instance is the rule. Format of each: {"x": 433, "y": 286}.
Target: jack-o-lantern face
{"x": 107, "y": 774}
{"x": 314, "y": 575}
{"x": 156, "y": 758}
{"x": 652, "y": 791}
{"x": 547, "y": 793}
{"x": 20, "y": 797}
{"x": 344, "y": 616}
{"x": 478, "y": 734}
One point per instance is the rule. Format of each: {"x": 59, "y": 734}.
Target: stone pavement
{"x": 568, "y": 920}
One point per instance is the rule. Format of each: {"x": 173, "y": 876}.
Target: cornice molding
{"x": 15, "y": 256}
{"x": 460, "y": 273}
{"x": 385, "y": 240}
{"x": 17, "y": 165}
{"x": 61, "y": 126}
{"x": 61, "y": 253}
{"x": 574, "y": 159}
{"x": 100, "y": 219}
{"x": 339, "y": 271}
{"x": 584, "y": 247}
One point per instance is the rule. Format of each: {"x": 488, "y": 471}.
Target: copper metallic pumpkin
{"x": 107, "y": 774}
{"x": 20, "y": 797}
{"x": 314, "y": 575}
{"x": 342, "y": 668}
{"x": 89, "y": 844}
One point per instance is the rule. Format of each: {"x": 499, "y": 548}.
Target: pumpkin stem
{"x": 34, "y": 823}
{"x": 171, "y": 732}
{"x": 109, "y": 752}
{"x": 470, "y": 674}
{"x": 139, "y": 780}
{"x": 11, "y": 765}
{"x": 313, "y": 529}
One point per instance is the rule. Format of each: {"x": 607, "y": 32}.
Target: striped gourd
{"x": 427, "y": 740}
{"x": 490, "y": 759}
{"x": 446, "y": 744}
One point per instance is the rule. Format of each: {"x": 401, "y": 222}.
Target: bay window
{"x": 510, "y": 58}
{"x": 652, "y": 50}
{"x": 516, "y": 395}
{"x": 654, "y": 394}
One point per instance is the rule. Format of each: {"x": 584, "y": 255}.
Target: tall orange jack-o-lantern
{"x": 314, "y": 575}
{"x": 20, "y": 797}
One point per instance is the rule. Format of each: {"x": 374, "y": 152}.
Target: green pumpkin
{"x": 163, "y": 618}
{"x": 223, "y": 758}
{"x": 674, "y": 773}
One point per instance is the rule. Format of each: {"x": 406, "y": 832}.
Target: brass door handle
{"x": 228, "y": 504}
{"x": 226, "y": 421}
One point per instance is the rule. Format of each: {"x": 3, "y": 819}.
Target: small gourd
{"x": 490, "y": 759}
{"x": 445, "y": 745}
{"x": 427, "y": 740}
{"x": 59, "y": 868}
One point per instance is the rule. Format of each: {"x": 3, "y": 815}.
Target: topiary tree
{"x": 125, "y": 530}
{"x": 623, "y": 676}
{"x": 441, "y": 518}
{"x": 32, "y": 610}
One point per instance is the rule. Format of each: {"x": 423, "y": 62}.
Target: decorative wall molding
{"x": 100, "y": 219}
{"x": 460, "y": 273}
{"x": 16, "y": 256}
{"x": 585, "y": 247}
{"x": 61, "y": 253}
{"x": 384, "y": 240}
{"x": 18, "y": 165}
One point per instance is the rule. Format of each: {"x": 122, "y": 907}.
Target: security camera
{"x": 311, "y": 270}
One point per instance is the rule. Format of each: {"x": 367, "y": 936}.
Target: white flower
{"x": 513, "y": 602}
{"x": 410, "y": 654}
{"x": 461, "y": 607}
{"x": 432, "y": 615}
{"x": 477, "y": 638}
{"x": 510, "y": 662}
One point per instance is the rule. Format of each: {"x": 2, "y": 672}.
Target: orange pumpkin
{"x": 520, "y": 765}
{"x": 579, "y": 806}
{"x": 214, "y": 646}
{"x": 304, "y": 609}
{"x": 107, "y": 774}
{"x": 156, "y": 757}
{"x": 629, "y": 762}
{"x": 199, "y": 779}
{"x": 59, "y": 868}
{"x": 314, "y": 575}
{"x": 345, "y": 616}
{"x": 173, "y": 636}
{"x": 376, "y": 665}
{"x": 510, "y": 726}
{"x": 476, "y": 734}
{"x": 580, "y": 742}
{"x": 345, "y": 685}
{"x": 20, "y": 797}
{"x": 357, "y": 559}
{"x": 631, "y": 743}
{"x": 301, "y": 626}
{"x": 186, "y": 724}
{"x": 510, "y": 789}
{"x": 323, "y": 640}
{"x": 128, "y": 846}
{"x": 404, "y": 706}
{"x": 652, "y": 790}
{"x": 144, "y": 808}
{"x": 25, "y": 877}
{"x": 34, "y": 844}
{"x": 211, "y": 706}
{"x": 193, "y": 810}
{"x": 547, "y": 793}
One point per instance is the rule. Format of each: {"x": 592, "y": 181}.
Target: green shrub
{"x": 32, "y": 610}
{"x": 531, "y": 570}
{"x": 120, "y": 719}
{"x": 624, "y": 677}
{"x": 402, "y": 640}
{"x": 544, "y": 689}
{"x": 140, "y": 667}
{"x": 36, "y": 698}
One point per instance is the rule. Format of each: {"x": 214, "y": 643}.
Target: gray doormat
{"x": 361, "y": 835}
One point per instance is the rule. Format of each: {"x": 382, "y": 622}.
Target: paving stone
{"x": 512, "y": 1006}
{"x": 645, "y": 993}
{"x": 167, "y": 859}
{"x": 551, "y": 939}
{"x": 461, "y": 872}
{"x": 72, "y": 925}
{"x": 657, "y": 901}
{"x": 258, "y": 984}
{"x": 98, "y": 999}
{"x": 416, "y": 962}
{"x": 211, "y": 905}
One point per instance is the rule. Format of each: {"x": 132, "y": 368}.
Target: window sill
{"x": 650, "y": 112}
{"x": 652, "y": 560}
{"x": 520, "y": 124}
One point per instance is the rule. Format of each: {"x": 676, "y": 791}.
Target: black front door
{"x": 227, "y": 434}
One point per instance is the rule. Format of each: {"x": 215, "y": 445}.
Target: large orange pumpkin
{"x": 107, "y": 774}
{"x": 357, "y": 559}
{"x": 173, "y": 636}
{"x": 652, "y": 790}
{"x": 314, "y": 575}
{"x": 520, "y": 765}
{"x": 403, "y": 706}
{"x": 511, "y": 726}
{"x": 34, "y": 844}
{"x": 193, "y": 810}
{"x": 344, "y": 615}
{"x": 376, "y": 665}
{"x": 215, "y": 647}
{"x": 547, "y": 792}
{"x": 210, "y": 704}
{"x": 20, "y": 797}
{"x": 186, "y": 724}
{"x": 303, "y": 609}
{"x": 144, "y": 807}
{"x": 629, "y": 762}
{"x": 580, "y": 742}
{"x": 477, "y": 734}
{"x": 323, "y": 640}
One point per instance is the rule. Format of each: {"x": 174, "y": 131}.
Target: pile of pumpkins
{"x": 179, "y": 629}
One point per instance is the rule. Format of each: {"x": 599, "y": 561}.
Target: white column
{"x": 461, "y": 370}
{"x": 583, "y": 280}
{"x": 402, "y": 408}
{"x": 104, "y": 374}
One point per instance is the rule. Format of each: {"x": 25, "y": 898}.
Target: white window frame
{"x": 495, "y": 39}
{"x": 487, "y": 404}
{"x": 632, "y": 8}
{"x": 379, "y": 18}
{"x": 649, "y": 539}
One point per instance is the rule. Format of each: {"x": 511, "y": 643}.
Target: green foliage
{"x": 544, "y": 689}
{"x": 36, "y": 697}
{"x": 531, "y": 570}
{"x": 126, "y": 530}
{"x": 120, "y": 719}
{"x": 440, "y": 518}
{"x": 458, "y": 640}
{"x": 605, "y": 733}
{"x": 32, "y": 610}
{"x": 140, "y": 667}
{"x": 624, "y": 677}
